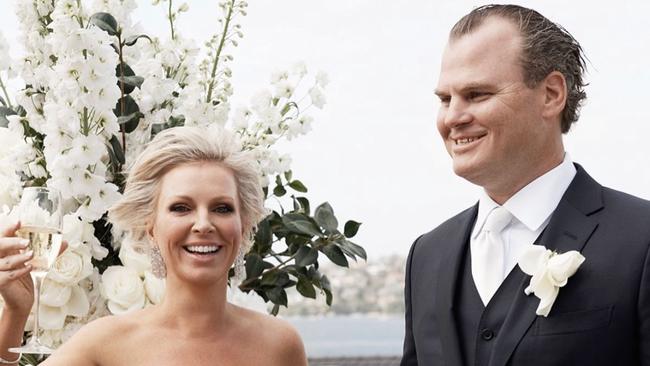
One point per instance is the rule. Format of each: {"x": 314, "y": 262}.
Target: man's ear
{"x": 555, "y": 95}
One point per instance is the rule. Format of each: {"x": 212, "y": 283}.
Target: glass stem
{"x": 38, "y": 280}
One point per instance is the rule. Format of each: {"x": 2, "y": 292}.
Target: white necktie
{"x": 488, "y": 252}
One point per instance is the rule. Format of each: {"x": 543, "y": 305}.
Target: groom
{"x": 510, "y": 85}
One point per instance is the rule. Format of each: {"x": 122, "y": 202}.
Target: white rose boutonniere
{"x": 549, "y": 271}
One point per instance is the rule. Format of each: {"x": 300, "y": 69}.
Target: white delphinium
{"x": 322, "y": 79}
{"x": 5, "y": 58}
{"x": 79, "y": 108}
{"x": 81, "y": 233}
{"x": 317, "y": 97}
{"x": 241, "y": 118}
{"x": 13, "y": 153}
{"x": 298, "y": 126}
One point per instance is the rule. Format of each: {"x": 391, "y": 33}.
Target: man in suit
{"x": 510, "y": 86}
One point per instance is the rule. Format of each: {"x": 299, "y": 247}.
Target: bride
{"x": 192, "y": 199}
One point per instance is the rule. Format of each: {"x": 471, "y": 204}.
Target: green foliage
{"x": 105, "y": 22}
{"x": 287, "y": 247}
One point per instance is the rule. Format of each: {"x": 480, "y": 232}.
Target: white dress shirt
{"x": 531, "y": 207}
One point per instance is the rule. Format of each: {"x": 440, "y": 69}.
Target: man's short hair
{"x": 546, "y": 47}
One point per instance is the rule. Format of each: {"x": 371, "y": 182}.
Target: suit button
{"x": 487, "y": 334}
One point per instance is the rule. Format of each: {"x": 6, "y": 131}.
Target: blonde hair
{"x": 181, "y": 145}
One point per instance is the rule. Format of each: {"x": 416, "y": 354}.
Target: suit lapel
{"x": 570, "y": 228}
{"x": 447, "y": 284}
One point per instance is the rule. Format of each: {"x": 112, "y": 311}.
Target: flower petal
{"x": 563, "y": 266}
{"x": 78, "y": 304}
{"x": 533, "y": 259}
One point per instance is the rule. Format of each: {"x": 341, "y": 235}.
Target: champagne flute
{"x": 40, "y": 215}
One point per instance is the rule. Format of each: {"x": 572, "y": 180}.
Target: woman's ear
{"x": 150, "y": 231}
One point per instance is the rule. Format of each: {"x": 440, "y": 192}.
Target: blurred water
{"x": 351, "y": 335}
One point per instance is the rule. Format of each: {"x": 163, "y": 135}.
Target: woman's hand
{"x": 16, "y": 286}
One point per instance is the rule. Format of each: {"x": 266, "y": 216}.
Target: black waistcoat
{"x": 479, "y": 326}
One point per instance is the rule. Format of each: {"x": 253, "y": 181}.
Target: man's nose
{"x": 456, "y": 114}
{"x": 202, "y": 222}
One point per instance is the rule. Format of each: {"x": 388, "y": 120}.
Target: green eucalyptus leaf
{"x": 254, "y": 265}
{"x": 130, "y": 122}
{"x": 300, "y": 224}
{"x": 306, "y": 256}
{"x": 130, "y": 41}
{"x": 324, "y": 216}
{"x": 295, "y": 241}
{"x": 279, "y": 191}
{"x": 122, "y": 71}
{"x": 105, "y": 22}
{"x": 117, "y": 149}
{"x": 304, "y": 202}
{"x": 134, "y": 81}
{"x": 263, "y": 237}
{"x": 327, "y": 289}
{"x": 298, "y": 186}
{"x": 275, "y": 278}
{"x": 277, "y": 295}
{"x": 126, "y": 106}
{"x": 351, "y": 228}
{"x": 306, "y": 288}
{"x": 352, "y": 250}
{"x": 287, "y": 175}
{"x": 335, "y": 254}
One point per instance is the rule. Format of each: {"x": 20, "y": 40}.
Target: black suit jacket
{"x": 601, "y": 317}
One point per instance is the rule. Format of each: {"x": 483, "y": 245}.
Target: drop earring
{"x": 158, "y": 267}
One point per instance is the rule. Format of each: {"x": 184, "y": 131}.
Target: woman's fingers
{"x": 8, "y": 276}
{"x": 16, "y": 261}
{"x": 10, "y": 245}
{"x": 10, "y": 229}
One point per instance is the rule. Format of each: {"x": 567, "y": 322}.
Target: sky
{"x": 374, "y": 153}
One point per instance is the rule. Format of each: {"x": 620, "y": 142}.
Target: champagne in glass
{"x": 45, "y": 242}
{"x": 40, "y": 215}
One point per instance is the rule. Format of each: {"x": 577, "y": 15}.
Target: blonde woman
{"x": 192, "y": 199}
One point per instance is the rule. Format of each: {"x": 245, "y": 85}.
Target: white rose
{"x": 155, "y": 287}
{"x": 55, "y": 294}
{"x": 138, "y": 261}
{"x": 123, "y": 289}
{"x": 51, "y": 317}
{"x": 72, "y": 266}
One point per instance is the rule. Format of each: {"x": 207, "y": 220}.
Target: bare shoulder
{"x": 278, "y": 336}
{"x": 95, "y": 341}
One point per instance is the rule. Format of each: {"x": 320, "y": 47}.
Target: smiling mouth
{"x": 202, "y": 249}
{"x": 467, "y": 140}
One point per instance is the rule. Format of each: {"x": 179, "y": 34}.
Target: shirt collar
{"x": 544, "y": 194}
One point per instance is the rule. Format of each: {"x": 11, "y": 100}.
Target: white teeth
{"x": 466, "y": 140}
{"x": 202, "y": 249}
